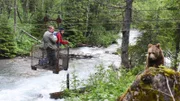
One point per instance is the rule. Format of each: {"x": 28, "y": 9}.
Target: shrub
{"x": 106, "y": 84}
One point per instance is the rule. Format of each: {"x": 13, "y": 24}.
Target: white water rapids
{"x": 19, "y": 83}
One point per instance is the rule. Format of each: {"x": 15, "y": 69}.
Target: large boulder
{"x": 154, "y": 84}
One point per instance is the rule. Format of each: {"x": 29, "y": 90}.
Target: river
{"x": 19, "y": 83}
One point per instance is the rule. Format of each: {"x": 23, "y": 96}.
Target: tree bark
{"x": 19, "y": 16}
{"x": 125, "y": 34}
{"x": 15, "y": 13}
{"x": 87, "y": 18}
{"x": 177, "y": 41}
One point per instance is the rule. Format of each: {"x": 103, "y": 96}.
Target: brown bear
{"x": 155, "y": 56}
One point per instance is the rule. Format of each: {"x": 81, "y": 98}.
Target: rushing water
{"x": 19, "y": 83}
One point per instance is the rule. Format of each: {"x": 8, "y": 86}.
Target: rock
{"x": 154, "y": 84}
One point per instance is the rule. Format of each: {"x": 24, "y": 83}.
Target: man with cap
{"x": 60, "y": 40}
{"x": 59, "y": 37}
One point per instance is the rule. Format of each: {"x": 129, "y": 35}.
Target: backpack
{"x": 55, "y": 33}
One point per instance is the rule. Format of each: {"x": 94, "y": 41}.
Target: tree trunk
{"x": 125, "y": 34}
{"x": 177, "y": 41}
{"x": 15, "y": 12}
{"x": 25, "y": 10}
{"x": 87, "y": 18}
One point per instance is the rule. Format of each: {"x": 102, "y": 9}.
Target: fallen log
{"x": 84, "y": 45}
{"x": 77, "y": 56}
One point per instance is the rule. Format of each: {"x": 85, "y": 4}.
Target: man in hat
{"x": 59, "y": 37}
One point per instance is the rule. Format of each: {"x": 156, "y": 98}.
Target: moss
{"x": 152, "y": 70}
{"x": 145, "y": 88}
{"x": 167, "y": 71}
{"x": 177, "y": 91}
{"x": 148, "y": 95}
{"x": 162, "y": 69}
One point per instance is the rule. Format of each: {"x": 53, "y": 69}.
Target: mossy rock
{"x": 154, "y": 84}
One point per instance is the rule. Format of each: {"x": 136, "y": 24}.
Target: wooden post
{"x": 67, "y": 82}
{"x": 67, "y": 57}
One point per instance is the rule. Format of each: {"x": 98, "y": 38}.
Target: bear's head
{"x": 154, "y": 52}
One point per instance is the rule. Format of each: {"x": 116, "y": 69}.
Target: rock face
{"x": 154, "y": 84}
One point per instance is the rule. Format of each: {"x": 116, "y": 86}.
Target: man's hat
{"x": 61, "y": 29}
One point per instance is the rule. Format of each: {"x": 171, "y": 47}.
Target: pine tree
{"x": 7, "y": 43}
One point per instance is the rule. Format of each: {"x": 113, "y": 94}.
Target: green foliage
{"x": 137, "y": 70}
{"x": 8, "y": 44}
{"x": 74, "y": 20}
{"x": 106, "y": 85}
{"x": 39, "y": 28}
{"x": 24, "y": 44}
{"x": 81, "y": 19}
{"x": 75, "y": 36}
{"x": 101, "y": 37}
{"x": 75, "y": 81}
{"x": 92, "y": 20}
